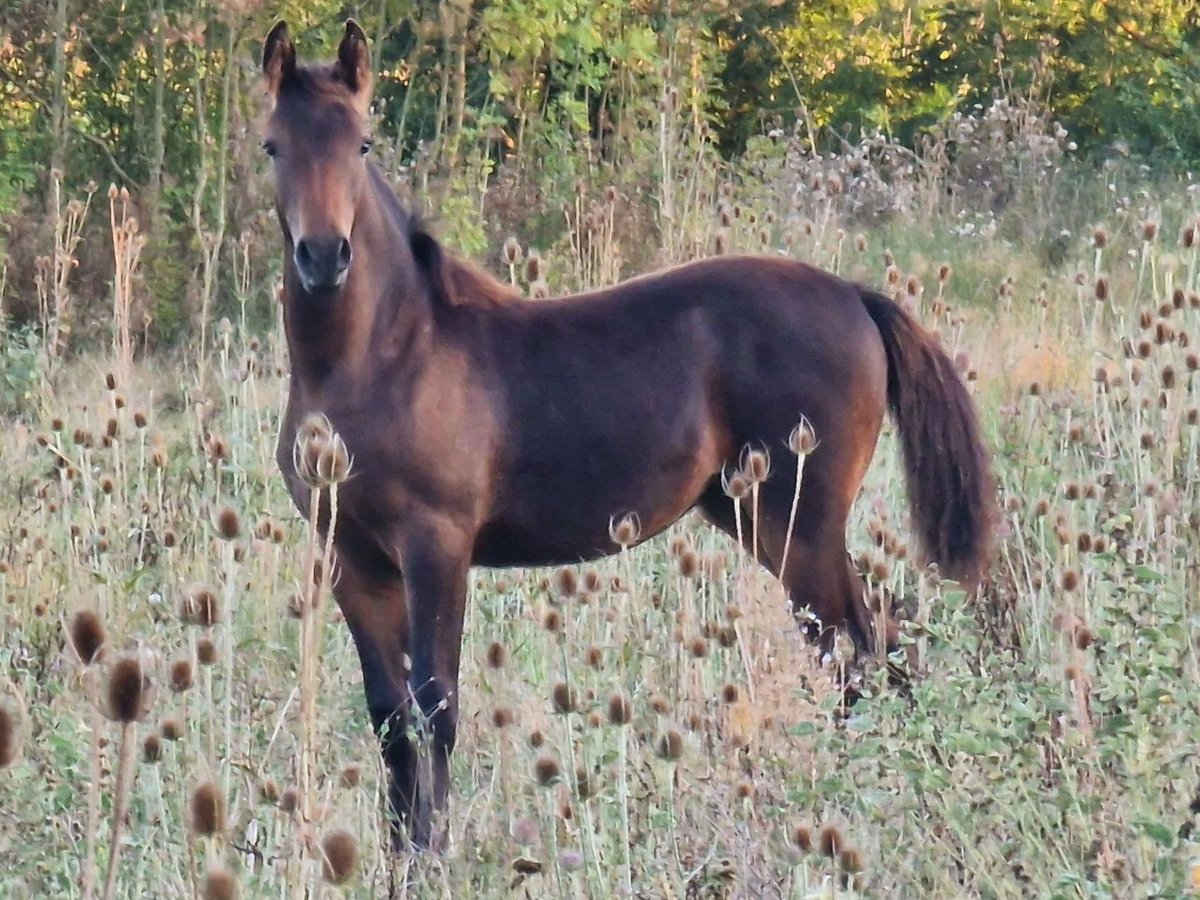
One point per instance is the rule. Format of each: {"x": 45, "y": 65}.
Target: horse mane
{"x": 454, "y": 281}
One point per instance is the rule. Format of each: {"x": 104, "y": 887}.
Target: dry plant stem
{"x": 310, "y": 634}
{"x": 93, "y": 800}
{"x": 623, "y": 796}
{"x": 787, "y": 538}
{"x": 754, "y": 519}
{"x": 125, "y": 763}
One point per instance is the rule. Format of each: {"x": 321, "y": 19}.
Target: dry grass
{"x": 654, "y": 727}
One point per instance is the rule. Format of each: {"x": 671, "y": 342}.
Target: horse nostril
{"x": 303, "y": 254}
{"x": 345, "y": 254}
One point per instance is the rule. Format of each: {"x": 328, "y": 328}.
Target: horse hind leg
{"x": 818, "y": 576}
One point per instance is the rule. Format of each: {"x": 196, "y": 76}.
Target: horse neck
{"x": 380, "y": 316}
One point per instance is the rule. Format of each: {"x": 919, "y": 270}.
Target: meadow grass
{"x": 652, "y": 722}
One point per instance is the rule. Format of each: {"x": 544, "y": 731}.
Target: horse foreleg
{"x": 372, "y": 598}
{"x": 435, "y": 561}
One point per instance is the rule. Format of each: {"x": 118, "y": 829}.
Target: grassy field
{"x": 652, "y": 725}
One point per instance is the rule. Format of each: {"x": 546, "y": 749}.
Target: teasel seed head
{"x": 736, "y": 486}
{"x": 152, "y": 749}
{"x": 86, "y": 633}
{"x": 289, "y": 800}
{"x": 206, "y": 652}
{"x": 339, "y": 856}
{"x": 219, "y": 883}
{"x": 566, "y": 582}
{"x": 182, "y": 676}
{"x": 229, "y": 523}
{"x": 207, "y": 809}
{"x": 547, "y": 770}
{"x": 512, "y": 251}
{"x": 562, "y": 698}
{"x": 199, "y": 606}
{"x": 502, "y": 717}
{"x": 803, "y": 439}
{"x": 129, "y": 692}
{"x": 497, "y": 655}
{"x": 831, "y": 841}
{"x": 172, "y": 729}
{"x": 756, "y": 466}
{"x": 851, "y": 861}
{"x": 1070, "y": 580}
{"x": 627, "y": 531}
{"x": 10, "y": 736}
{"x": 619, "y": 711}
{"x": 670, "y": 745}
{"x": 268, "y": 791}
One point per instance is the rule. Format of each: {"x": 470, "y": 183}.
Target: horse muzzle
{"x": 322, "y": 263}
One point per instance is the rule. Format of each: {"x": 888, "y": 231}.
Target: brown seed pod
{"x": 229, "y": 523}
{"x": 152, "y": 748}
{"x": 851, "y": 861}
{"x": 670, "y": 745}
{"x": 831, "y": 841}
{"x": 199, "y": 606}
{"x": 626, "y": 532}
{"x": 219, "y": 884}
{"x": 268, "y": 791}
{"x": 547, "y": 770}
{"x": 129, "y": 691}
{"x": 619, "y": 711}
{"x": 289, "y": 800}
{"x": 563, "y": 698}
{"x": 566, "y": 582}
{"x": 339, "y": 856}
{"x": 206, "y": 652}
{"x": 182, "y": 676}
{"x": 756, "y": 466}
{"x": 207, "y": 808}
{"x": 802, "y": 838}
{"x": 10, "y": 736}
{"x": 86, "y": 633}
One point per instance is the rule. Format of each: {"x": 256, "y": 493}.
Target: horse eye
{"x": 268, "y": 147}
{"x": 366, "y": 146}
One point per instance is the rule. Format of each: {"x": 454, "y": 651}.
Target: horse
{"x": 491, "y": 431}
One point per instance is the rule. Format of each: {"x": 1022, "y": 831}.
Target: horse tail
{"x": 947, "y": 470}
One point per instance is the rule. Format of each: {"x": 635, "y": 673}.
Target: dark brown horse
{"x": 490, "y": 431}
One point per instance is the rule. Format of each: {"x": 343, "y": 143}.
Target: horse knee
{"x": 439, "y": 706}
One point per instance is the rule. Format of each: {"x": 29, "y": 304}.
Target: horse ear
{"x": 279, "y": 58}
{"x": 428, "y": 254}
{"x": 354, "y": 60}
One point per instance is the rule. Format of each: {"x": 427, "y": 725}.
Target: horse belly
{"x": 553, "y": 516}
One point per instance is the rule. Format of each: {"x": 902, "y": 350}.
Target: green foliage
{"x": 21, "y": 371}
